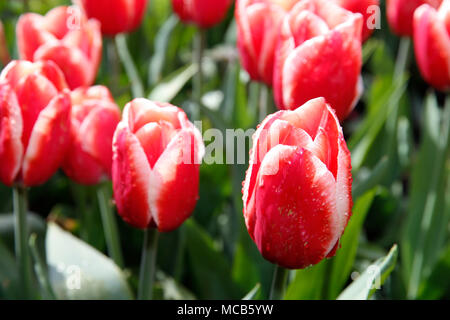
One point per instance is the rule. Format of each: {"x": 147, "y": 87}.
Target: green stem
{"x": 21, "y": 239}
{"x": 278, "y": 283}
{"x": 137, "y": 87}
{"x": 109, "y": 225}
{"x": 402, "y": 58}
{"x": 199, "y": 48}
{"x": 264, "y": 97}
{"x": 148, "y": 264}
{"x": 85, "y": 217}
{"x": 113, "y": 64}
{"x": 179, "y": 260}
{"x": 254, "y": 97}
{"x": 40, "y": 268}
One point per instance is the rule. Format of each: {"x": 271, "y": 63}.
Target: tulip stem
{"x": 402, "y": 57}
{"x": 264, "y": 97}
{"x": 40, "y": 268}
{"x": 199, "y": 47}
{"x": 21, "y": 239}
{"x": 148, "y": 264}
{"x": 109, "y": 226}
{"x": 137, "y": 87}
{"x": 278, "y": 283}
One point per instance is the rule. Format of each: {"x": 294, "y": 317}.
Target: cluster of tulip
{"x": 297, "y": 192}
{"x": 428, "y": 23}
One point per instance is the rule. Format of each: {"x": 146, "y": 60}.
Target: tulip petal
{"x": 131, "y": 184}
{"x": 49, "y": 141}
{"x": 295, "y": 216}
{"x": 76, "y": 67}
{"x": 260, "y": 138}
{"x": 97, "y": 131}
{"x": 174, "y": 182}
{"x": 78, "y": 164}
{"x": 31, "y": 35}
{"x": 142, "y": 111}
{"x": 344, "y": 180}
{"x": 11, "y": 126}
{"x": 34, "y": 94}
{"x": 432, "y": 47}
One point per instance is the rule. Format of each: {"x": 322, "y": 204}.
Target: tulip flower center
{"x": 154, "y": 138}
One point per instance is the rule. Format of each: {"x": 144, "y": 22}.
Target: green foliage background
{"x": 398, "y": 136}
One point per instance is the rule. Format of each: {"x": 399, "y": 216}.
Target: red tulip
{"x": 116, "y": 16}
{"x": 432, "y": 44}
{"x": 363, "y": 7}
{"x": 258, "y": 25}
{"x": 156, "y": 159}
{"x": 66, "y": 37}
{"x": 319, "y": 55}
{"x": 204, "y": 13}
{"x": 297, "y": 190}
{"x": 400, "y": 14}
{"x": 35, "y": 122}
{"x": 94, "y": 119}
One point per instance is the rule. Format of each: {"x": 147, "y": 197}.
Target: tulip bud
{"x": 258, "y": 27}
{"x": 319, "y": 55}
{"x": 66, "y": 37}
{"x": 156, "y": 159}
{"x": 363, "y": 7}
{"x": 432, "y": 44}
{"x": 115, "y": 16}
{"x": 297, "y": 190}
{"x": 400, "y": 14}
{"x": 35, "y": 122}
{"x": 204, "y": 13}
{"x": 94, "y": 119}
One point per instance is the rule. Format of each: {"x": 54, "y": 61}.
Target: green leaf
{"x": 137, "y": 87}
{"x": 35, "y": 225}
{"x": 211, "y": 271}
{"x": 162, "y": 40}
{"x": 438, "y": 283}
{"x": 169, "y": 87}
{"x": 308, "y": 283}
{"x": 9, "y": 277}
{"x": 342, "y": 263}
{"x": 78, "y": 271}
{"x": 371, "y": 279}
{"x": 367, "y": 180}
{"x": 369, "y": 48}
{"x": 253, "y": 293}
{"x": 385, "y": 102}
{"x": 171, "y": 289}
{"x": 426, "y": 222}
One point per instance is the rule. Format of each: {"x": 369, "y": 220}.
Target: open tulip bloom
{"x": 271, "y": 88}
{"x": 203, "y": 13}
{"x": 35, "y": 131}
{"x": 432, "y": 44}
{"x": 258, "y": 29}
{"x": 364, "y": 7}
{"x": 297, "y": 190}
{"x": 400, "y": 14}
{"x": 156, "y": 161}
{"x": 66, "y": 37}
{"x": 319, "y": 55}
{"x": 94, "y": 119}
{"x": 115, "y": 16}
